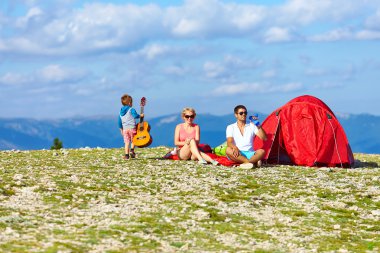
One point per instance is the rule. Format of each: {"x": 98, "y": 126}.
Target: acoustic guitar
{"x": 142, "y": 138}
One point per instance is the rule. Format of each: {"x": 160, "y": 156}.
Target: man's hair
{"x": 239, "y": 107}
{"x": 126, "y": 100}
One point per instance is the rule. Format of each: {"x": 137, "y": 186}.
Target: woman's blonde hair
{"x": 188, "y": 109}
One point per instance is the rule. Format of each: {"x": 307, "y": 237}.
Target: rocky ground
{"x": 90, "y": 200}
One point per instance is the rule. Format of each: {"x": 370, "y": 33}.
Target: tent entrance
{"x": 277, "y": 153}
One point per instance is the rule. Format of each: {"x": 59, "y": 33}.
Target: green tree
{"x": 57, "y": 144}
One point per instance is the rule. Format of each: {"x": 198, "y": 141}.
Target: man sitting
{"x": 240, "y": 136}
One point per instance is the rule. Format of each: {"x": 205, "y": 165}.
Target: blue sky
{"x": 65, "y": 58}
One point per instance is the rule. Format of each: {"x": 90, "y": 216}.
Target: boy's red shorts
{"x": 128, "y": 134}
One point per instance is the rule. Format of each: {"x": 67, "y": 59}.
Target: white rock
{"x": 326, "y": 169}
{"x": 18, "y": 177}
{"x": 336, "y": 226}
{"x": 8, "y": 231}
{"x": 74, "y": 179}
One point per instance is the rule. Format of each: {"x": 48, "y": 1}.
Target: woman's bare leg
{"x": 184, "y": 153}
{"x": 206, "y": 157}
{"x": 194, "y": 150}
{"x": 191, "y": 151}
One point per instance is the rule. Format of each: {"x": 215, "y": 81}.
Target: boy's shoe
{"x": 132, "y": 154}
{"x": 259, "y": 163}
{"x": 126, "y": 157}
{"x": 246, "y": 166}
{"x": 203, "y": 162}
{"x": 214, "y": 162}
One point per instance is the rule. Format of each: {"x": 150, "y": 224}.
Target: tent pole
{"x": 336, "y": 144}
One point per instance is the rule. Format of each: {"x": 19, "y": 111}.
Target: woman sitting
{"x": 186, "y": 138}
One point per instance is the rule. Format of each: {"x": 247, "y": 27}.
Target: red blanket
{"x": 221, "y": 159}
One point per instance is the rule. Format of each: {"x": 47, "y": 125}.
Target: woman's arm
{"x": 197, "y": 134}
{"x": 177, "y": 142}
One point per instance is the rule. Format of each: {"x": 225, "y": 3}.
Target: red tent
{"x": 305, "y": 132}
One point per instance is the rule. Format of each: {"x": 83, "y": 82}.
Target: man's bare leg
{"x": 256, "y": 158}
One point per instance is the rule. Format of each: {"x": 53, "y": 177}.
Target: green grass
{"x": 91, "y": 200}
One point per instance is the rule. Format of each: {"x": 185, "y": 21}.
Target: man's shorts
{"x": 247, "y": 154}
{"x": 128, "y": 134}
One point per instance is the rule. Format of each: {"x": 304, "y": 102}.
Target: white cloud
{"x": 316, "y": 72}
{"x": 176, "y": 70}
{"x": 289, "y": 87}
{"x": 213, "y": 18}
{"x": 3, "y": 46}
{"x": 373, "y": 22}
{"x": 333, "y": 35}
{"x": 269, "y": 73}
{"x": 14, "y": 79}
{"x": 125, "y": 23}
{"x": 237, "y": 89}
{"x": 167, "y": 120}
{"x": 247, "y": 16}
{"x": 306, "y": 12}
{"x": 58, "y": 74}
{"x": 156, "y": 49}
{"x": 53, "y": 73}
{"x": 45, "y": 75}
{"x": 277, "y": 34}
{"x": 101, "y": 27}
{"x": 368, "y": 35}
{"x": 327, "y": 85}
{"x": 187, "y": 27}
{"x": 229, "y": 66}
{"x": 83, "y": 92}
{"x": 33, "y": 14}
{"x": 151, "y": 52}
{"x": 91, "y": 28}
{"x": 236, "y": 62}
{"x": 24, "y": 44}
{"x": 193, "y": 18}
{"x": 250, "y": 88}
{"x": 214, "y": 70}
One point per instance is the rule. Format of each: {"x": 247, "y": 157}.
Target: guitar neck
{"x": 142, "y": 111}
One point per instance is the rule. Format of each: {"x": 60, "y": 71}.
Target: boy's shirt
{"x": 123, "y": 111}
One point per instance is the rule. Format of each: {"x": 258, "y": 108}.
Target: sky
{"x": 76, "y": 58}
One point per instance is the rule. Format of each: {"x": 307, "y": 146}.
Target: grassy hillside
{"x": 90, "y": 200}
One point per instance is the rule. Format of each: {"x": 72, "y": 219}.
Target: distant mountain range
{"x": 19, "y": 133}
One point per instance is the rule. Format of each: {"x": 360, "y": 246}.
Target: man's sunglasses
{"x": 189, "y": 116}
{"x": 241, "y": 113}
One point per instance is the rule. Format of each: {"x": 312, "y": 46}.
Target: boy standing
{"x": 127, "y": 125}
